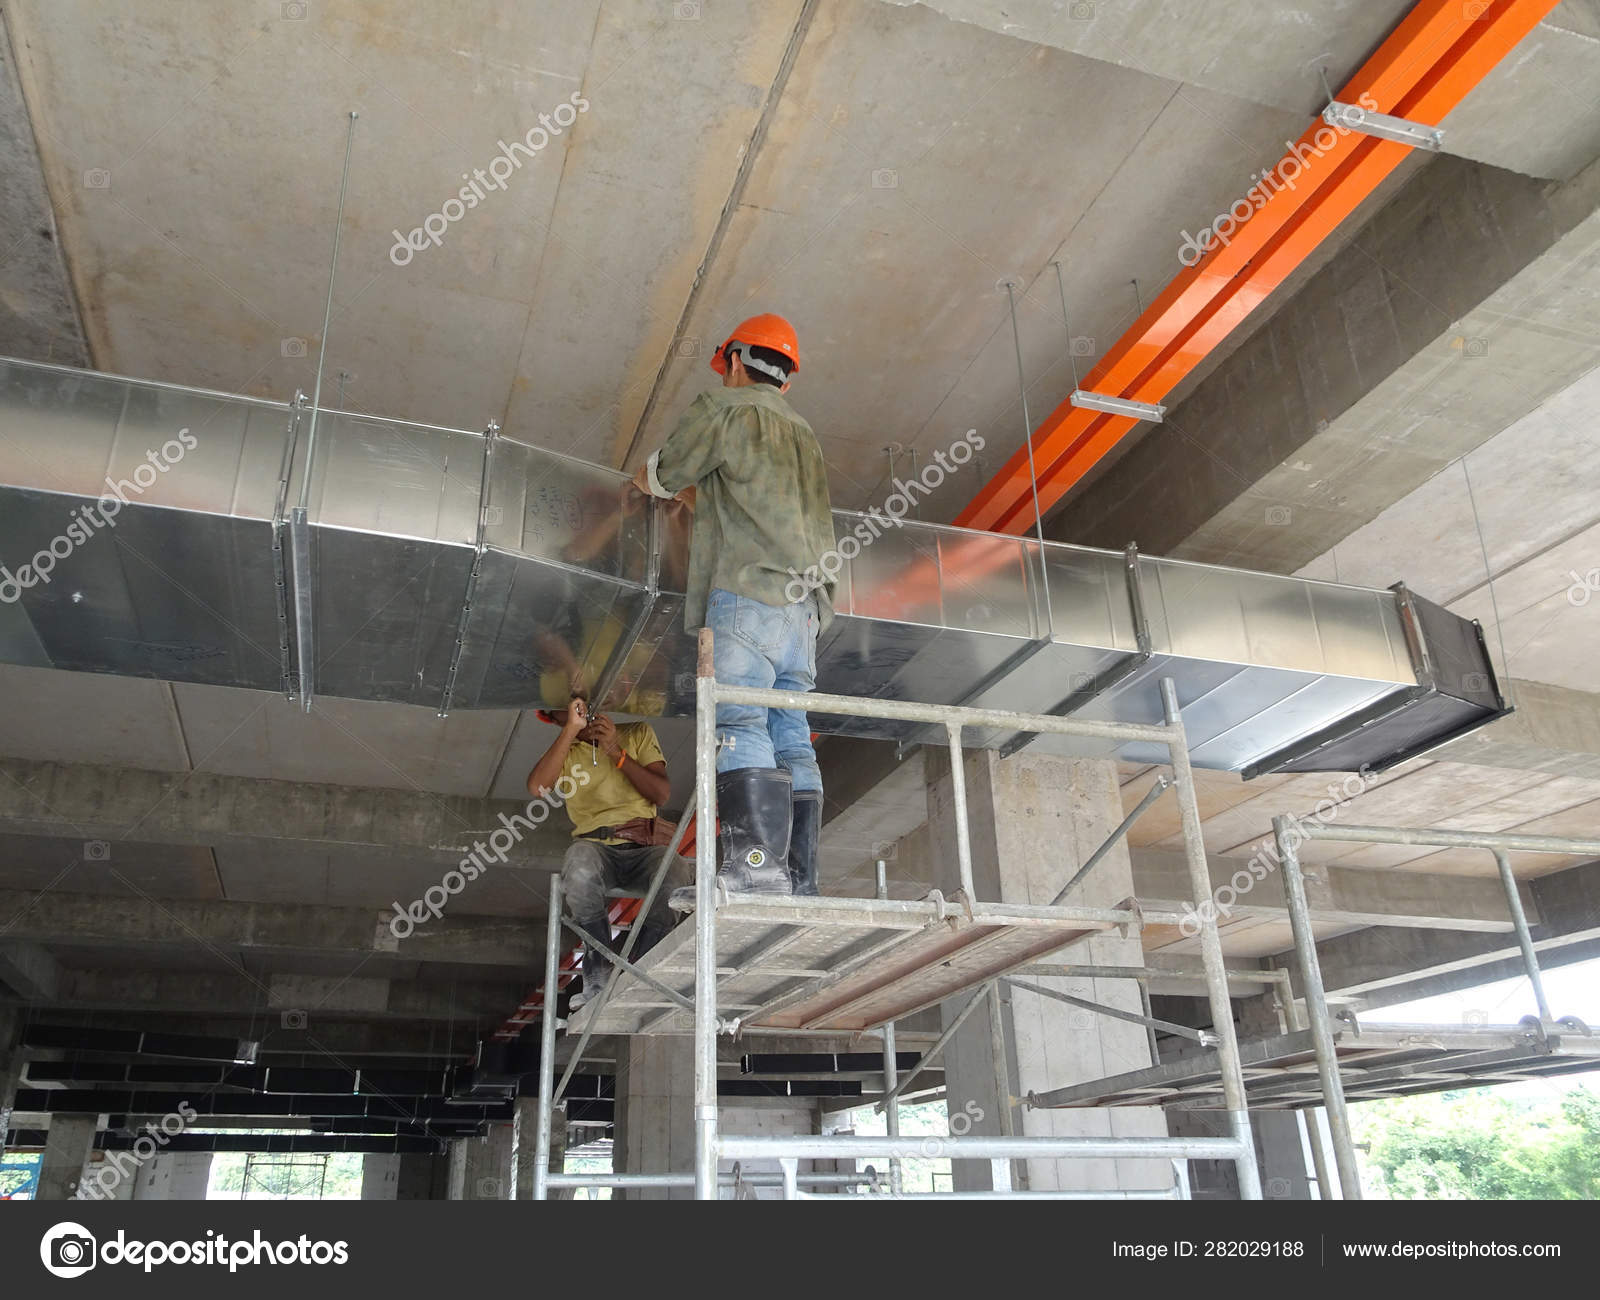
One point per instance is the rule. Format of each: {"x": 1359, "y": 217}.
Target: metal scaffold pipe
{"x": 1211, "y": 948}
{"x": 1305, "y": 947}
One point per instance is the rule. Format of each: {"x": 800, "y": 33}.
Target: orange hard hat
{"x": 764, "y": 331}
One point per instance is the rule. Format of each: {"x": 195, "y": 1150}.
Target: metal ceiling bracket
{"x": 1126, "y": 406}
{"x": 1385, "y": 126}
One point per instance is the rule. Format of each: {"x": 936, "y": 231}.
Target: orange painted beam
{"x": 1439, "y": 52}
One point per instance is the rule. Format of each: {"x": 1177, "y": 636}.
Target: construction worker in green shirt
{"x": 762, "y": 516}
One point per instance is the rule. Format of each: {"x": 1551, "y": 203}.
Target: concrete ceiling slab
{"x": 166, "y": 250}
{"x": 270, "y": 873}
{"x": 38, "y": 317}
{"x": 342, "y": 742}
{"x": 673, "y": 104}
{"x": 123, "y": 869}
{"x": 1228, "y": 824}
{"x": 1519, "y": 116}
{"x": 90, "y": 718}
{"x": 931, "y": 189}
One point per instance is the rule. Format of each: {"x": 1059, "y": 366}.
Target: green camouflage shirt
{"x": 762, "y": 516}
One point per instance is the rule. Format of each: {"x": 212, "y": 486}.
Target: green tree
{"x": 1483, "y": 1145}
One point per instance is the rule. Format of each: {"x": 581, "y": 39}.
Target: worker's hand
{"x": 577, "y": 717}
{"x": 681, "y": 506}
{"x": 602, "y": 732}
{"x": 637, "y": 491}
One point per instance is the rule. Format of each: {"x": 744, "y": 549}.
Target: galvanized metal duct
{"x": 143, "y": 531}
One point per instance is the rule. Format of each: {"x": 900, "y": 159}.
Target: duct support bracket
{"x": 479, "y": 547}
{"x": 1118, "y": 672}
{"x": 280, "y": 574}
{"x": 652, "y": 590}
{"x": 304, "y": 603}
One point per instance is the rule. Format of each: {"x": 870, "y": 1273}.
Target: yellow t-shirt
{"x": 609, "y": 799}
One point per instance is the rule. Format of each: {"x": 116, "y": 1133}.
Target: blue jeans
{"x": 771, "y": 647}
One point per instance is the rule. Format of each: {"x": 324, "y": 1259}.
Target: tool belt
{"x": 648, "y": 832}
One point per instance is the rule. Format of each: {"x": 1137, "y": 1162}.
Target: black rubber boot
{"x": 596, "y": 969}
{"x": 807, "y": 827}
{"x": 650, "y": 934}
{"x": 755, "y": 815}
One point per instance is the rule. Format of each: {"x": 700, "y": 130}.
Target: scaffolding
{"x": 1547, "y": 1032}
{"x": 833, "y": 966}
{"x": 876, "y": 961}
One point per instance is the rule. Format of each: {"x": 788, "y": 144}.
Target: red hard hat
{"x": 763, "y": 331}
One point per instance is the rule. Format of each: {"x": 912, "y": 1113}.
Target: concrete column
{"x": 10, "y": 1065}
{"x": 1034, "y": 820}
{"x": 380, "y": 1177}
{"x": 421, "y": 1177}
{"x": 66, "y": 1152}
{"x": 525, "y": 1142}
{"x": 480, "y": 1168}
{"x": 1279, "y": 1151}
{"x": 654, "y": 1126}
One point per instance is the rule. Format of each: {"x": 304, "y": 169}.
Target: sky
{"x": 1571, "y": 991}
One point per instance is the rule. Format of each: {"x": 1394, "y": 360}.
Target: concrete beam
{"x": 296, "y": 1002}
{"x": 81, "y": 801}
{"x": 1555, "y": 729}
{"x": 31, "y": 972}
{"x": 93, "y": 919}
{"x": 1463, "y": 305}
{"x": 1337, "y": 895}
{"x": 1381, "y": 967}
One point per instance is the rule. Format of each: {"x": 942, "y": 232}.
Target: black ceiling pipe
{"x": 247, "y": 1105}
{"x": 786, "y": 1065}
{"x": 136, "y": 1042}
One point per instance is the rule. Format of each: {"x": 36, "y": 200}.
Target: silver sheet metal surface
{"x": 576, "y": 586}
